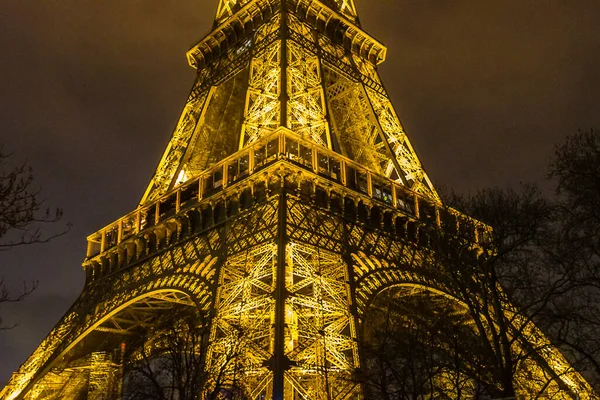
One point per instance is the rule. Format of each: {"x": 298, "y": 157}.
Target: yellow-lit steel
{"x": 288, "y": 197}
{"x": 262, "y": 112}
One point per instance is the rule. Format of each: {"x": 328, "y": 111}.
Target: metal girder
{"x": 229, "y": 8}
{"x": 143, "y": 313}
{"x": 262, "y": 109}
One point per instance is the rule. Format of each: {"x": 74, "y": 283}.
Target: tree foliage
{"x": 510, "y": 284}
{"x": 539, "y": 266}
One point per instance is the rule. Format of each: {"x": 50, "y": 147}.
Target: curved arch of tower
{"x": 288, "y": 197}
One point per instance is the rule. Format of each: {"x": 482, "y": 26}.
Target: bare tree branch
{"x": 24, "y": 218}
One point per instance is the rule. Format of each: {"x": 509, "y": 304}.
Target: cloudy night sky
{"x": 90, "y": 92}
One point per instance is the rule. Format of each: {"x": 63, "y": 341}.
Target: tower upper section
{"x": 302, "y": 65}
{"x": 239, "y": 19}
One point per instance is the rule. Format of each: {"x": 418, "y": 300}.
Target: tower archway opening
{"x": 167, "y": 359}
{"x": 420, "y": 344}
{"x": 99, "y": 360}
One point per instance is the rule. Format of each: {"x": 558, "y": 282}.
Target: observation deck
{"x": 246, "y": 174}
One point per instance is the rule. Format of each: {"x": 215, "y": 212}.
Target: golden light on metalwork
{"x": 283, "y": 204}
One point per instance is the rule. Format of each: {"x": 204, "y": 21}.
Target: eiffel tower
{"x": 288, "y": 197}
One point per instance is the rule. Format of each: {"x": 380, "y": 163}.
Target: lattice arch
{"x": 93, "y": 308}
{"x": 374, "y": 275}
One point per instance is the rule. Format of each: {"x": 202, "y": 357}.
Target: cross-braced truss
{"x": 346, "y": 7}
{"x": 356, "y": 130}
{"x": 241, "y": 335}
{"x": 264, "y": 87}
{"x": 143, "y": 313}
{"x": 176, "y": 148}
{"x": 321, "y": 332}
{"x": 298, "y": 77}
{"x": 306, "y": 107}
{"x": 320, "y": 338}
{"x": 403, "y": 152}
{"x": 227, "y": 8}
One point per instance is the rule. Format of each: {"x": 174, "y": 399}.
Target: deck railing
{"x": 282, "y": 144}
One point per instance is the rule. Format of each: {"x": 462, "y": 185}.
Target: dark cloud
{"x": 90, "y": 91}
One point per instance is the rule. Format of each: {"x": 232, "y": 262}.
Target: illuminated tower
{"x": 287, "y": 198}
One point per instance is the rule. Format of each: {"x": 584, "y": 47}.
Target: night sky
{"x": 91, "y": 90}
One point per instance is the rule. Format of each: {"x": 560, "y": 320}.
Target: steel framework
{"x": 288, "y": 197}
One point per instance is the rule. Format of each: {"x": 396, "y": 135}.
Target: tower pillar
{"x": 104, "y": 376}
{"x": 281, "y": 362}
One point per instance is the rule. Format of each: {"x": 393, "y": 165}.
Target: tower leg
{"x": 104, "y": 375}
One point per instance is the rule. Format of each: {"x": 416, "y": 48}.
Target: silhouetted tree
{"x": 418, "y": 345}
{"x": 575, "y": 318}
{"x": 503, "y": 282}
{"x": 23, "y": 216}
{"x": 507, "y": 280}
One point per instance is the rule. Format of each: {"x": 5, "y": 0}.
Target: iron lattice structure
{"x": 288, "y": 197}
